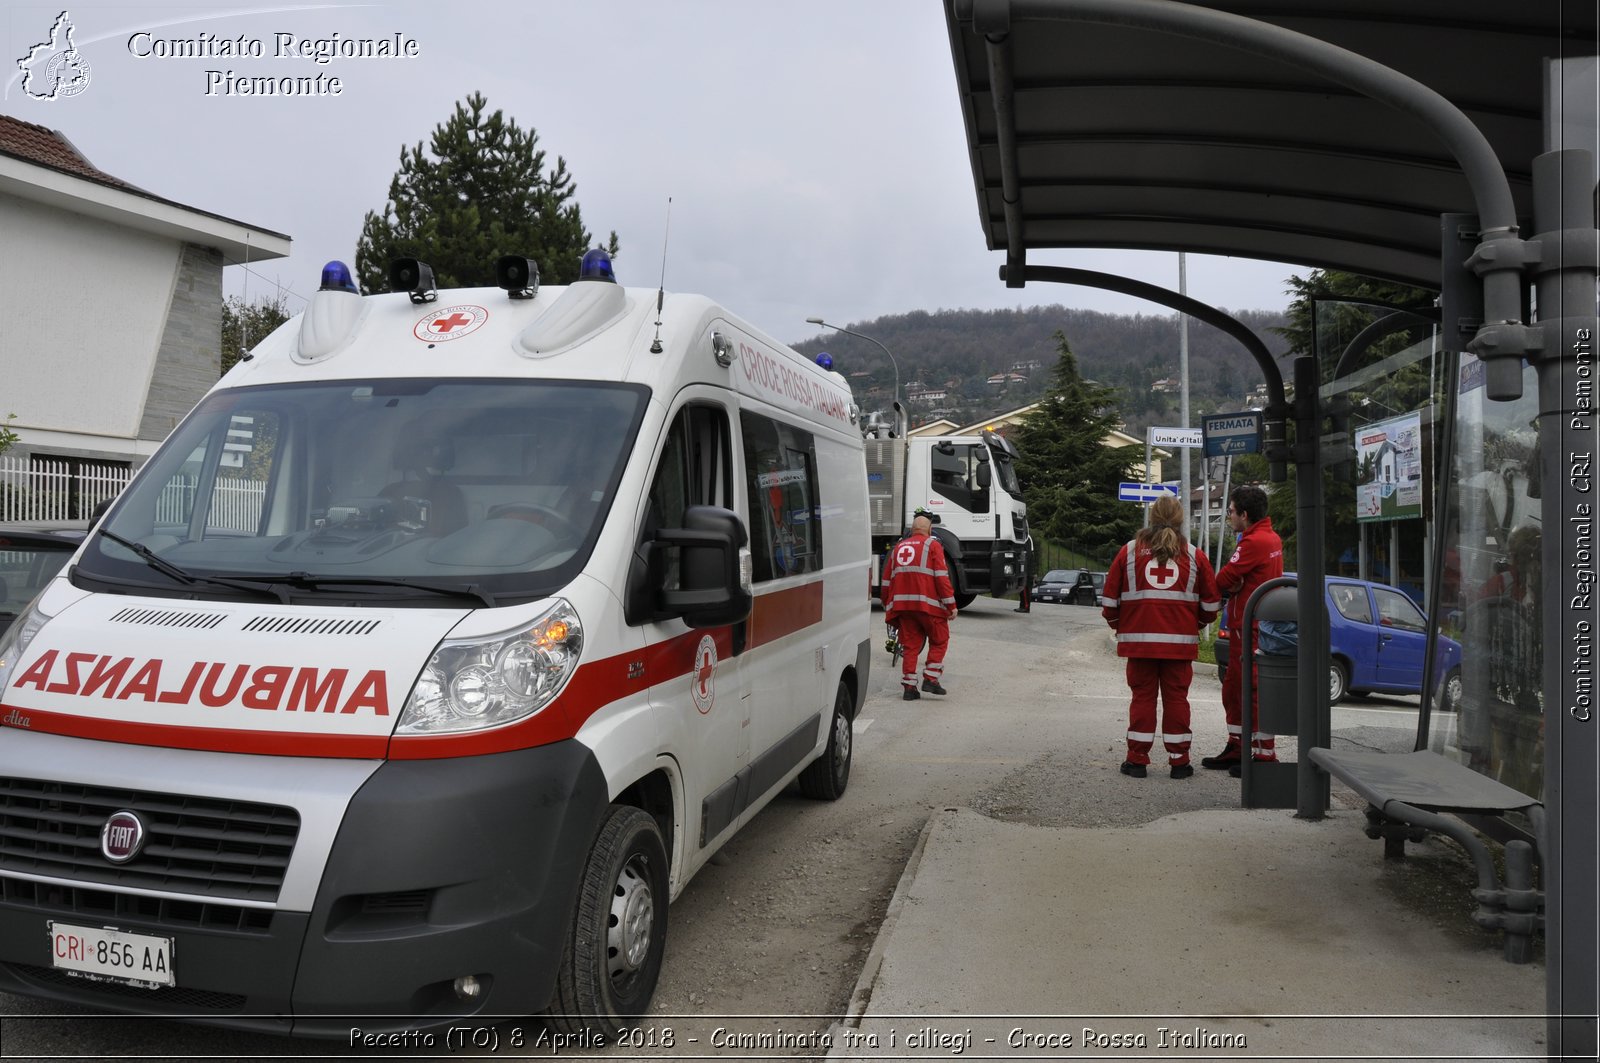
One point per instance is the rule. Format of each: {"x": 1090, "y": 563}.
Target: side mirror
{"x": 99, "y": 510}
{"x": 711, "y": 589}
{"x": 985, "y": 476}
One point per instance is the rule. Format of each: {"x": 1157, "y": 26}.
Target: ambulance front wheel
{"x": 964, "y": 600}
{"x": 825, "y": 778}
{"x": 612, "y": 956}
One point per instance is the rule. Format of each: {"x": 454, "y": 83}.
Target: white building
{"x": 114, "y": 301}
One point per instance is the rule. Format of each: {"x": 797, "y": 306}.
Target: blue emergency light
{"x": 825, "y": 360}
{"x": 596, "y": 266}
{"x": 336, "y": 278}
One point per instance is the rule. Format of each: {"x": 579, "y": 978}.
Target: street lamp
{"x": 869, "y": 339}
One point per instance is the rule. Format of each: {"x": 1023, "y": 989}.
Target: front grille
{"x": 103, "y": 906}
{"x": 175, "y": 999}
{"x": 207, "y": 847}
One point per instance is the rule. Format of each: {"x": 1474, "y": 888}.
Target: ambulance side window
{"x": 785, "y": 532}
{"x": 249, "y": 459}
{"x": 694, "y": 471}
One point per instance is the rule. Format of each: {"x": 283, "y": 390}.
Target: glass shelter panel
{"x": 1492, "y": 587}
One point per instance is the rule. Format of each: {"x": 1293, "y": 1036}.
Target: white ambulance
{"x": 435, "y": 650}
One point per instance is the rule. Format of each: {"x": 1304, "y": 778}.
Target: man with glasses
{"x": 1257, "y": 558}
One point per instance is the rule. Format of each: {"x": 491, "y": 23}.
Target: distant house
{"x": 1000, "y": 380}
{"x": 1166, "y": 386}
{"x": 1003, "y": 422}
{"x": 121, "y": 292}
{"x": 926, "y": 392}
{"x": 942, "y": 427}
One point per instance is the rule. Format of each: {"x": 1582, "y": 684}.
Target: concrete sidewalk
{"x": 1015, "y": 941}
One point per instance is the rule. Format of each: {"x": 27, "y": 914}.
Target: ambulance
{"x": 429, "y": 658}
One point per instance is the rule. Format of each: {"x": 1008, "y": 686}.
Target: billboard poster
{"x": 1389, "y": 469}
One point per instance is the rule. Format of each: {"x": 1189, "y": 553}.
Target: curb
{"x": 861, "y": 996}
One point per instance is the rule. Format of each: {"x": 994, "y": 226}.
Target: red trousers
{"x": 1262, "y": 746}
{"x": 915, "y": 629}
{"x": 1146, "y": 677}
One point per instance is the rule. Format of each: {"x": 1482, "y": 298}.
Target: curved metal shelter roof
{"x": 1124, "y": 136}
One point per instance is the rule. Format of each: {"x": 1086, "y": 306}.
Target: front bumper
{"x": 439, "y": 869}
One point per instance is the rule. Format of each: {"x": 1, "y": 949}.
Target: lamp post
{"x": 869, "y": 339}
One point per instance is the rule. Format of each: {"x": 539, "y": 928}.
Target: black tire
{"x": 1338, "y": 681}
{"x": 612, "y": 956}
{"x": 825, "y": 778}
{"x": 964, "y": 600}
{"x": 1450, "y": 691}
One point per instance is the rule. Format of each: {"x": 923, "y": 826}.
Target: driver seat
{"x": 423, "y": 460}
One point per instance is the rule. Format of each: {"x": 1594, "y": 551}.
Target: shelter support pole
{"x": 1314, "y": 720}
{"x": 1564, "y": 215}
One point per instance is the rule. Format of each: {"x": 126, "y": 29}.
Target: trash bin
{"x": 1277, "y": 662}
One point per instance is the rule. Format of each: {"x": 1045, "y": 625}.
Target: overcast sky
{"x": 813, "y": 151}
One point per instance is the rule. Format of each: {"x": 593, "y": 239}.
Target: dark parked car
{"x": 29, "y": 555}
{"x": 1074, "y": 585}
{"x": 1377, "y": 640}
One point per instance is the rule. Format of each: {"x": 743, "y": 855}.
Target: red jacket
{"x": 1257, "y": 558}
{"x": 1158, "y": 609}
{"x": 916, "y": 579}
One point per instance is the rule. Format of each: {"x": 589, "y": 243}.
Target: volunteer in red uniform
{"x": 919, "y": 600}
{"x": 1159, "y": 593}
{"x": 1257, "y": 558}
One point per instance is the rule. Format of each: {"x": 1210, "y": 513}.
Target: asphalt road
{"x": 773, "y": 935}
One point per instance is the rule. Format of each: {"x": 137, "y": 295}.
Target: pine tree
{"x": 1068, "y": 474}
{"x": 479, "y": 191}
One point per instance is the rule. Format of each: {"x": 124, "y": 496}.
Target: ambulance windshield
{"x": 494, "y": 489}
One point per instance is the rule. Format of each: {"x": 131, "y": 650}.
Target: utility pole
{"x": 1183, "y": 399}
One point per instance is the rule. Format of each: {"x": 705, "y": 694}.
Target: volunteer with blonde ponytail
{"x": 1159, "y": 593}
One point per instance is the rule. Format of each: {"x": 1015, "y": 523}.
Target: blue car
{"x": 1377, "y": 640}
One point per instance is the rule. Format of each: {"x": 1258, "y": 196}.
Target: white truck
{"x": 968, "y": 483}
{"x": 430, "y": 656}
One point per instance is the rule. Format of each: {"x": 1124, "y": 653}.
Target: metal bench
{"x": 1409, "y": 794}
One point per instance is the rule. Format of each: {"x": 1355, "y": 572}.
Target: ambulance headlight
{"x": 471, "y": 684}
{"x": 16, "y": 638}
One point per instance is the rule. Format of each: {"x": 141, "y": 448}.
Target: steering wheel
{"x": 549, "y": 519}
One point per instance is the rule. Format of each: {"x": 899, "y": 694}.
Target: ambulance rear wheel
{"x": 612, "y": 956}
{"x": 825, "y": 778}
{"x": 964, "y": 600}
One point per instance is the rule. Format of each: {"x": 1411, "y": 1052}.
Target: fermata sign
{"x": 1227, "y": 434}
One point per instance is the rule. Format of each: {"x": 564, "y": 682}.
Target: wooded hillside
{"x": 960, "y": 351}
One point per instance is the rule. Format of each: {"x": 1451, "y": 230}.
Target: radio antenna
{"x": 244, "y": 305}
{"x": 661, "y": 292}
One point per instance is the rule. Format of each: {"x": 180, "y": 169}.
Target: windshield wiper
{"x": 167, "y": 568}
{"x": 307, "y": 580}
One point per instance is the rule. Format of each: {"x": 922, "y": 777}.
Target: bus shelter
{"x": 1445, "y": 144}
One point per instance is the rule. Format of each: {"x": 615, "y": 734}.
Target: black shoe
{"x": 1020, "y": 609}
{"x": 1182, "y": 771}
{"x": 1137, "y": 771}
{"x": 1228, "y": 758}
{"x": 909, "y": 694}
{"x": 1236, "y": 772}
{"x": 932, "y": 686}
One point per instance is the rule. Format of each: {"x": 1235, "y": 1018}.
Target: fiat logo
{"x": 122, "y": 837}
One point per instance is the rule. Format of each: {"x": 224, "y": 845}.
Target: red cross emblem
{"x": 450, "y": 323}
{"x": 702, "y": 689}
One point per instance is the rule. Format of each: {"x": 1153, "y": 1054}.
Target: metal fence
{"x": 57, "y": 489}
{"x": 53, "y": 489}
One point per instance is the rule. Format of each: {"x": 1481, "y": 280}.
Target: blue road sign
{"x": 1232, "y": 433}
{"x": 1127, "y": 492}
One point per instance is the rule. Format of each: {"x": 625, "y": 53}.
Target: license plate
{"x": 111, "y": 955}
